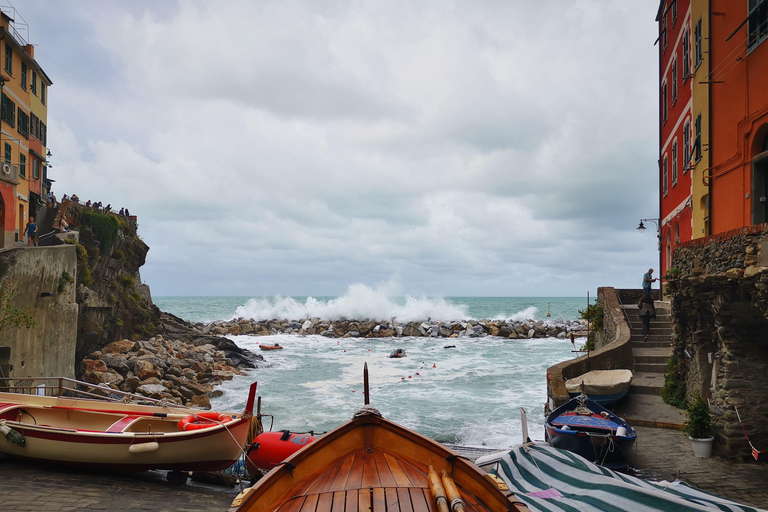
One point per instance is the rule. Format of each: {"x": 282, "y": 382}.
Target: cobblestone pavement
{"x": 661, "y": 454}
{"x": 666, "y": 454}
{"x": 26, "y": 487}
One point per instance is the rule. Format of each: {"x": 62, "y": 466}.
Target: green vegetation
{"x": 126, "y": 281}
{"x": 104, "y": 227}
{"x": 672, "y": 273}
{"x": 699, "y": 424}
{"x": 117, "y": 254}
{"x": 594, "y": 315}
{"x": 673, "y": 391}
{"x": 11, "y": 316}
{"x": 65, "y": 279}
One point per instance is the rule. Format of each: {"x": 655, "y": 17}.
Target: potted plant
{"x": 699, "y": 427}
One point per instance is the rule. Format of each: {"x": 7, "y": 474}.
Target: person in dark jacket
{"x": 647, "y": 313}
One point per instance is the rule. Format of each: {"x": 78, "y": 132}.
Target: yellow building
{"x": 23, "y": 130}
{"x": 700, "y": 83}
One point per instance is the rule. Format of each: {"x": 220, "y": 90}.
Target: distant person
{"x": 75, "y": 198}
{"x": 647, "y": 313}
{"x": 648, "y": 279}
{"x": 127, "y": 214}
{"x": 122, "y": 211}
{"x": 108, "y": 208}
{"x": 31, "y": 232}
{"x": 63, "y": 224}
{"x": 88, "y": 203}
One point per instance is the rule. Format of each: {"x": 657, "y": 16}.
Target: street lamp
{"x": 641, "y": 228}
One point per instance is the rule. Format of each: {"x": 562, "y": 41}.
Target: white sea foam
{"x": 358, "y": 303}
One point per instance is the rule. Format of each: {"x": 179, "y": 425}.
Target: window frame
{"x": 665, "y": 184}
{"x": 24, "y": 72}
{"x": 22, "y": 165}
{"x": 664, "y": 103}
{"x": 686, "y": 56}
{"x": 697, "y": 140}
{"x": 757, "y": 17}
{"x": 674, "y": 80}
{"x": 697, "y": 42}
{"x": 42, "y": 92}
{"x": 8, "y": 155}
{"x": 8, "y": 66}
{"x": 687, "y": 145}
{"x": 35, "y": 169}
{"x": 33, "y": 87}
{"x": 674, "y": 162}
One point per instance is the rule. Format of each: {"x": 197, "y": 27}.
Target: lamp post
{"x": 641, "y": 228}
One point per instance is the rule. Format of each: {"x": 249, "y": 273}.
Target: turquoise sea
{"x": 469, "y": 394}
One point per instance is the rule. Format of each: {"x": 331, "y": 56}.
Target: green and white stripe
{"x": 586, "y": 487}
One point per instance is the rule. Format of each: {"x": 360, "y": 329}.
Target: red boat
{"x": 270, "y": 347}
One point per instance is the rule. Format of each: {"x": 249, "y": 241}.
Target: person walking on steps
{"x": 647, "y": 313}
{"x": 648, "y": 279}
{"x": 31, "y": 232}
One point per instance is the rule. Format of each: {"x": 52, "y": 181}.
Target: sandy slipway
{"x": 386, "y": 329}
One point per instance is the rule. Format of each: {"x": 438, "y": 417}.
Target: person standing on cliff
{"x": 31, "y": 232}
{"x": 647, "y": 280}
{"x": 647, "y": 313}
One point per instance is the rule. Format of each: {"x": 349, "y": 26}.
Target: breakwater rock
{"x": 183, "y": 370}
{"x": 387, "y": 329}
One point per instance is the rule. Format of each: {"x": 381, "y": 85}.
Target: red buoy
{"x": 271, "y": 448}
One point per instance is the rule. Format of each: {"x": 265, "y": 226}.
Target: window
{"x": 664, "y": 31}
{"x": 23, "y": 124}
{"x": 674, "y": 163}
{"x": 687, "y": 146}
{"x": 697, "y": 43}
{"x": 8, "y": 58}
{"x": 22, "y": 165}
{"x": 7, "y": 153}
{"x": 42, "y": 92}
{"x": 674, "y": 81}
{"x": 8, "y": 110}
{"x": 697, "y": 140}
{"x": 673, "y": 8}
{"x": 758, "y": 22}
{"x": 24, "y": 75}
{"x": 34, "y": 82}
{"x": 665, "y": 177}
{"x": 686, "y": 56}
{"x": 35, "y": 168}
{"x": 664, "y": 108}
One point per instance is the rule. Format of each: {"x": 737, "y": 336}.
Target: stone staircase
{"x": 643, "y": 406}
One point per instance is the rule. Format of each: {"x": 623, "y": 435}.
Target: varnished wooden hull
{"x": 370, "y": 464}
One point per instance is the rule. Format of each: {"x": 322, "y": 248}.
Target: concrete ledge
{"x": 616, "y": 354}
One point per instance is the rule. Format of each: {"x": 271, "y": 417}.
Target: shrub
{"x": 126, "y": 281}
{"x": 104, "y": 227}
{"x": 594, "y": 315}
{"x": 82, "y": 253}
{"x": 117, "y": 254}
{"x": 65, "y": 279}
{"x": 673, "y": 391}
{"x": 87, "y": 278}
{"x": 699, "y": 424}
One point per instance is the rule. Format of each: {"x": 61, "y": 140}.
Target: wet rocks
{"x": 182, "y": 370}
{"x": 387, "y": 329}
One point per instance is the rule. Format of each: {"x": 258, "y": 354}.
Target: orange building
{"x": 679, "y": 57}
{"x": 738, "y": 81}
{"x": 23, "y": 133}
{"x": 722, "y": 63}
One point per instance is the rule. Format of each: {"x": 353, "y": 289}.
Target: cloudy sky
{"x": 450, "y": 148}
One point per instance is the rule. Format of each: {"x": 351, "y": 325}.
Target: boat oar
{"x": 457, "y": 504}
{"x": 437, "y": 490}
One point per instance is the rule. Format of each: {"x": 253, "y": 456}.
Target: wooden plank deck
{"x": 369, "y": 482}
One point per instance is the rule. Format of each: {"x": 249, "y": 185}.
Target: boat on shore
{"x": 268, "y": 449}
{"x": 271, "y": 347}
{"x": 93, "y": 433}
{"x": 588, "y": 429}
{"x": 605, "y": 387}
{"x": 371, "y": 463}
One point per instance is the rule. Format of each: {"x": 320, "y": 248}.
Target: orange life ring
{"x": 203, "y": 420}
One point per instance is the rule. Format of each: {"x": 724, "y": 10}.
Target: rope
{"x": 755, "y": 452}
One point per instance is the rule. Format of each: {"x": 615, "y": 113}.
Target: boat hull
{"x": 95, "y": 434}
{"x": 370, "y": 463}
{"x": 584, "y": 427}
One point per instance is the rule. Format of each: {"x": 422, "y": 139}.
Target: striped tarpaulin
{"x": 548, "y": 479}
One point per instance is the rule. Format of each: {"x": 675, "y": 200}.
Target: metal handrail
{"x": 623, "y": 310}
{"x": 66, "y": 387}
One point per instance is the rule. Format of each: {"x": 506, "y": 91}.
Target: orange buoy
{"x": 417, "y": 373}
{"x": 203, "y": 420}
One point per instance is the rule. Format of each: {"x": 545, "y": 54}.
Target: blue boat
{"x": 584, "y": 427}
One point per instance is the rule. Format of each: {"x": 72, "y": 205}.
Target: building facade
{"x": 23, "y": 130}
{"x": 713, "y": 158}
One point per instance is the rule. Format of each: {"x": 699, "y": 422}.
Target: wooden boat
{"x": 586, "y": 428}
{"x": 372, "y": 464}
{"x": 605, "y": 387}
{"x": 271, "y": 347}
{"x": 119, "y": 436}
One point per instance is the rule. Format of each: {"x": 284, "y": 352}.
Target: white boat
{"x": 95, "y": 433}
{"x": 605, "y": 387}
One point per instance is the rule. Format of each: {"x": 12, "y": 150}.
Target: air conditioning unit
{"x": 9, "y": 172}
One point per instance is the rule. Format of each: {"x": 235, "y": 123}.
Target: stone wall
{"x": 615, "y": 351}
{"x": 48, "y": 348}
{"x": 719, "y": 295}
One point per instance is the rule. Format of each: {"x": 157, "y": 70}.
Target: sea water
{"x": 466, "y": 391}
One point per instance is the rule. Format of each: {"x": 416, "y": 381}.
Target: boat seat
{"x": 122, "y": 424}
